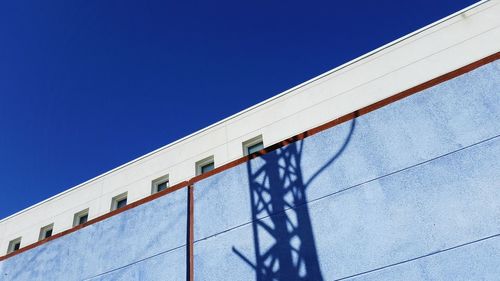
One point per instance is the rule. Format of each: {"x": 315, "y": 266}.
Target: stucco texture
{"x": 410, "y": 191}
{"x": 406, "y": 192}
{"x": 147, "y": 241}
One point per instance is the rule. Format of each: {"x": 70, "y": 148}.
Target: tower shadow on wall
{"x": 283, "y": 236}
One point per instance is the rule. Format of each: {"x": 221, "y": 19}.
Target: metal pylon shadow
{"x": 284, "y": 241}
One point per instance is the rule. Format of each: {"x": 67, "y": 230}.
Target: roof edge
{"x": 242, "y": 112}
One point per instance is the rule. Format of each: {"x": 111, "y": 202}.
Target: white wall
{"x": 425, "y": 54}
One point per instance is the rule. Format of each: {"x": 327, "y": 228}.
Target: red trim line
{"x": 191, "y": 233}
{"x": 273, "y": 147}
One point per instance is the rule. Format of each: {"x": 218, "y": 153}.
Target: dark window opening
{"x": 207, "y": 167}
{"x": 83, "y": 219}
{"x": 255, "y": 148}
{"x": 45, "y": 232}
{"x": 14, "y": 245}
{"x": 121, "y": 203}
{"x": 162, "y": 186}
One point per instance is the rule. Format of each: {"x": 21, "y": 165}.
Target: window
{"x": 46, "y": 231}
{"x": 119, "y": 201}
{"x": 81, "y": 217}
{"x": 207, "y": 168}
{"x": 160, "y": 184}
{"x": 205, "y": 165}
{"x": 14, "y": 245}
{"x": 253, "y": 145}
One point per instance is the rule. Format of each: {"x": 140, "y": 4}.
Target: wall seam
{"x": 352, "y": 187}
{"x": 399, "y": 96}
{"x": 420, "y": 257}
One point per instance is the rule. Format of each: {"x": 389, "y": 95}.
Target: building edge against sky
{"x": 406, "y": 189}
{"x": 435, "y": 50}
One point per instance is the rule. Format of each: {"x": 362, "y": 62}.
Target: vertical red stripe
{"x": 191, "y": 232}
{"x": 308, "y": 133}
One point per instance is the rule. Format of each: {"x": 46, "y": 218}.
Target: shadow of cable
{"x": 283, "y": 237}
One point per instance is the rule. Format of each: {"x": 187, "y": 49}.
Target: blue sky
{"x": 86, "y": 86}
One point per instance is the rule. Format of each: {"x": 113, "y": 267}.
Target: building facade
{"x": 385, "y": 168}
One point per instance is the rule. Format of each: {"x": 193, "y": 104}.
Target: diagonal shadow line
{"x": 245, "y": 259}
{"x": 350, "y": 187}
{"x": 340, "y": 151}
{"x": 133, "y": 263}
{"x": 420, "y": 257}
{"x": 144, "y": 258}
{"x": 284, "y": 259}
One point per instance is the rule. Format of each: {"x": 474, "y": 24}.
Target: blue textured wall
{"x": 143, "y": 243}
{"x": 408, "y": 192}
{"x": 402, "y": 193}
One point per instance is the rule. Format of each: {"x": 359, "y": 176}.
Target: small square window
{"x": 207, "y": 168}
{"x": 119, "y": 201}
{"x": 253, "y": 145}
{"x": 160, "y": 184}
{"x": 14, "y": 245}
{"x": 81, "y": 217}
{"x": 46, "y": 232}
{"x": 205, "y": 165}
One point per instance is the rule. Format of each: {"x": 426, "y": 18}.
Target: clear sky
{"x": 87, "y": 85}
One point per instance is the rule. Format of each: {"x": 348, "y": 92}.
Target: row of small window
{"x": 45, "y": 232}
{"x": 79, "y": 218}
{"x": 120, "y": 201}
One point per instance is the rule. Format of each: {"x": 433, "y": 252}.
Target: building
{"x": 384, "y": 168}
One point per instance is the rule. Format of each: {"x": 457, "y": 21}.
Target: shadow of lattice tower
{"x": 283, "y": 241}
{"x": 283, "y": 237}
